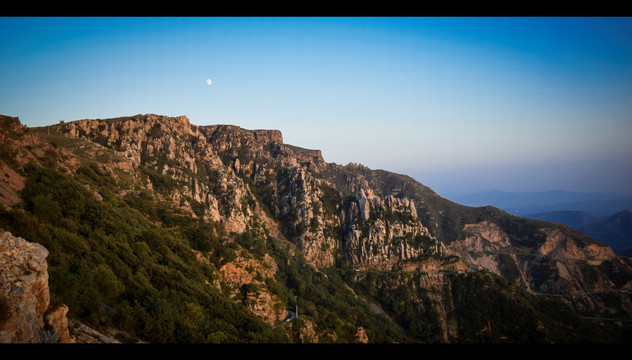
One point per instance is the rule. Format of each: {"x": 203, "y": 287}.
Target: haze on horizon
{"x": 460, "y": 104}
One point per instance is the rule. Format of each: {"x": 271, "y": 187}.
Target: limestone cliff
{"x": 303, "y": 217}
{"x": 384, "y": 232}
{"x": 25, "y": 316}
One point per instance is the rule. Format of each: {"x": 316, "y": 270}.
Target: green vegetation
{"x": 480, "y": 307}
{"x": 330, "y": 200}
{"x": 113, "y": 267}
{"x": 325, "y": 299}
{"x": 484, "y": 303}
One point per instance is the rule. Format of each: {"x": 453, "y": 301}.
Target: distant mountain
{"x": 614, "y": 231}
{"x": 573, "y": 218}
{"x": 521, "y": 203}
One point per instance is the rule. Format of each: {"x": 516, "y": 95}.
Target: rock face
{"x": 303, "y": 217}
{"x": 559, "y": 245}
{"x": 484, "y": 244}
{"x": 25, "y": 297}
{"x": 268, "y": 136}
{"x": 363, "y": 219}
{"x": 221, "y": 171}
{"x": 383, "y": 232}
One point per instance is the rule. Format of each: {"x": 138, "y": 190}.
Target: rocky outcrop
{"x": 361, "y": 335}
{"x": 134, "y": 137}
{"x": 559, "y": 245}
{"x": 25, "y": 297}
{"x": 59, "y": 323}
{"x": 178, "y": 160}
{"x": 483, "y": 244}
{"x": 268, "y": 136}
{"x": 83, "y": 334}
{"x": 244, "y": 279}
{"x": 14, "y": 136}
{"x": 307, "y": 333}
{"x": 303, "y": 217}
{"x": 221, "y": 172}
{"x": 383, "y": 232}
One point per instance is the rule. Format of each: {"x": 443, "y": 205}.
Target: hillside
{"x": 614, "y": 230}
{"x": 175, "y": 233}
{"x": 573, "y": 218}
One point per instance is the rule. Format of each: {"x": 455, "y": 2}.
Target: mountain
{"x": 523, "y": 203}
{"x": 573, "y": 218}
{"x": 162, "y": 231}
{"x": 614, "y": 231}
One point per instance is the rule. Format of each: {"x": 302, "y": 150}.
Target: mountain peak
{"x": 625, "y": 214}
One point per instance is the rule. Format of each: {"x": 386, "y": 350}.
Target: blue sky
{"x": 461, "y": 104}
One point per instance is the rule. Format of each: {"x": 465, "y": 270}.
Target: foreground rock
{"x": 25, "y": 315}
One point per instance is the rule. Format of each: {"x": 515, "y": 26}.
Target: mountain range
{"x": 534, "y": 202}
{"x": 158, "y": 230}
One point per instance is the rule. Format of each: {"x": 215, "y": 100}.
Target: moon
{"x": 209, "y": 82}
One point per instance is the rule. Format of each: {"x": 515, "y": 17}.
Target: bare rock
{"x": 268, "y": 136}
{"x": 87, "y": 335}
{"x": 382, "y": 232}
{"x": 361, "y": 336}
{"x": 24, "y": 294}
{"x": 559, "y": 245}
{"x": 59, "y": 322}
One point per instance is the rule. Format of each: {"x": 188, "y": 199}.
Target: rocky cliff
{"x": 222, "y": 171}
{"x": 255, "y": 192}
{"x": 25, "y": 314}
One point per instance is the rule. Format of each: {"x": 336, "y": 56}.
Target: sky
{"x": 462, "y": 104}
